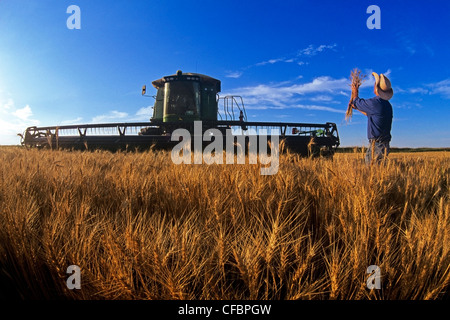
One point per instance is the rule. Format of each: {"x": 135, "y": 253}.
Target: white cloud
{"x": 25, "y": 113}
{"x": 320, "y": 108}
{"x": 288, "y": 95}
{"x": 441, "y": 87}
{"x": 418, "y": 90}
{"x": 437, "y": 88}
{"x": 273, "y": 61}
{"x": 282, "y": 106}
{"x": 388, "y": 73}
{"x": 322, "y": 98}
{"x": 406, "y": 42}
{"x": 312, "y": 50}
{"x": 8, "y": 104}
{"x": 322, "y": 84}
{"x": 144, "y": 114}
{"x": 14, "y": 121}
{"x": 283, "y": 116}
{"x": 109, "y": 117}
{"x": 309, "y": 51}
{"x": 73, "y": 121}
{"x": 408, "y": 105}
{"x": 234, "y": 74}
{"x": 146, "y": 111}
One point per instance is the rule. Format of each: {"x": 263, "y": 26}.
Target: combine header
{"x": 180, "y": 101}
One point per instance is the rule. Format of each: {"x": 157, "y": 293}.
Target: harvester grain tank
{"x": 181, "y": 100}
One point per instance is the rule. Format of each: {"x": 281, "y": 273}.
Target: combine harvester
{"x": 181, "y": 100}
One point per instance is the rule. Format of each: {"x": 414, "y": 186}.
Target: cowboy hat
{"x": 383, "y": 86}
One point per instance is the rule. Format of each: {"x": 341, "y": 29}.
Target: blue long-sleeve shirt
{"x": 379, "y": 117}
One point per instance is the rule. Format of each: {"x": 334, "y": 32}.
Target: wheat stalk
{"x": 356, "y": 79}
{"x": 305, "y": 233}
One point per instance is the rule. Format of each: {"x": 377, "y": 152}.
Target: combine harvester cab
{"x": 182, "y": 101}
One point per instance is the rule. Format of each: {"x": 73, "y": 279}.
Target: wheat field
{"x": 141, "y": 227}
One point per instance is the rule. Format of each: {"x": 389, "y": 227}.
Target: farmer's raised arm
{"x": 361, "y": 105}
{"x": 356, "y": 82}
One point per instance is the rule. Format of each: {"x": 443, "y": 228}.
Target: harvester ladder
{"x": 232, "y": 104}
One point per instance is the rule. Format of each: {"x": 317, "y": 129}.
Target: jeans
{"x": 377, "y": 151}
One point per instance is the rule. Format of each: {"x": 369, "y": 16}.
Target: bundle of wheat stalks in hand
{"x": 357, "y": 79}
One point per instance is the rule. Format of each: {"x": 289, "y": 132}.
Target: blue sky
{"x": 290, "y": 60}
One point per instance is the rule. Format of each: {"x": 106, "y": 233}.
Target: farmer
{"x": 379, "y": 117}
